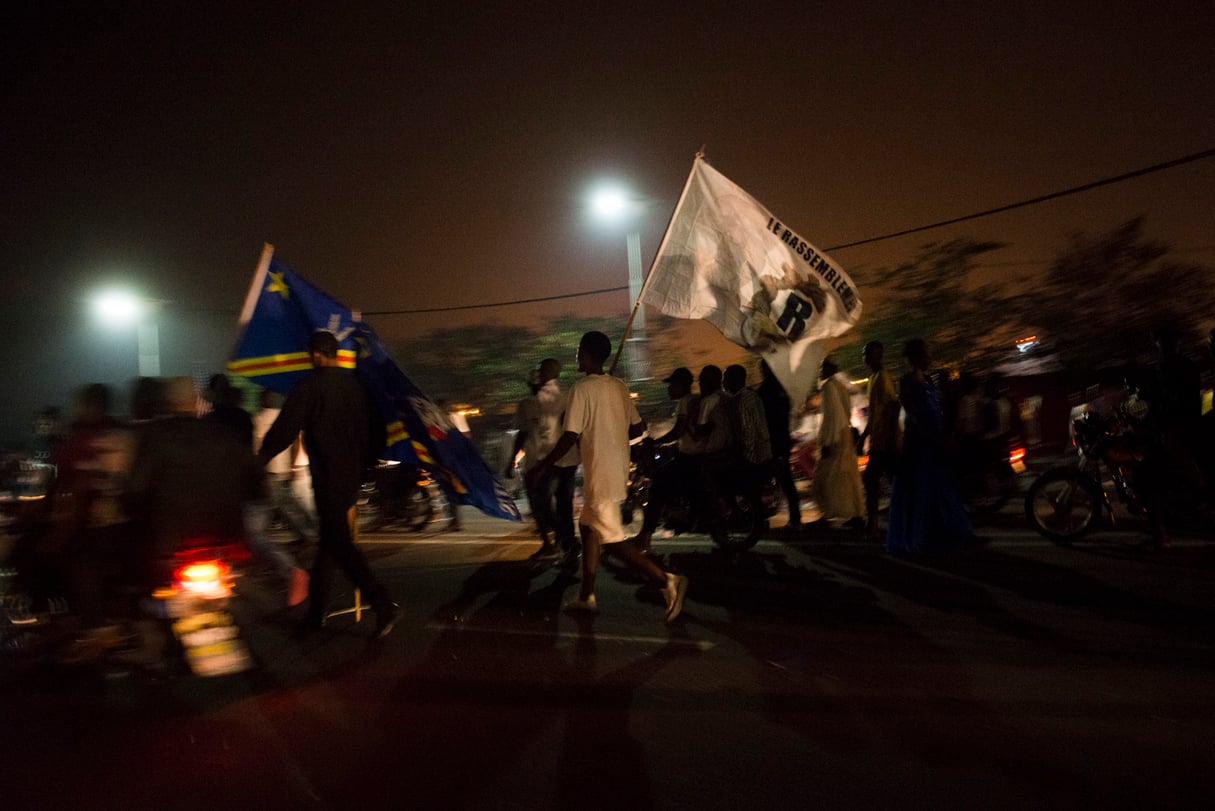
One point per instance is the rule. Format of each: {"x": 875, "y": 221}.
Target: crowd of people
{"x": 184, "y": 466}
{"x": 191, "y": 468}
{"x": 731, "y": 440}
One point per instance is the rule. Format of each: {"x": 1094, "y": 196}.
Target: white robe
{"x": 837, "y": 487}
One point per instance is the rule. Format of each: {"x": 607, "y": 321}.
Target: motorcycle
{"x": 196, "y": 604}
{"x": 1063, "y": 503}
{"x": 397, "y": 494}
{"x": 689, "y": 511}
{"x": 988, "y": 489}
{"x": 184, "y": 620}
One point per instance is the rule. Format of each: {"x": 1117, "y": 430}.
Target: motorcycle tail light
{"x": 1016, "y": 458}
{"x": 204, "y": 577}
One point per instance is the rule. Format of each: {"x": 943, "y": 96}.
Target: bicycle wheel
{"x": 1062, "y": 504}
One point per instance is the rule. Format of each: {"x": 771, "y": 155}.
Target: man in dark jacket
{"x": 190, "y": 478}
{"x": 776, "y": 411}
{"x": 333, "y": 410}
{"x": 226, "y": 409}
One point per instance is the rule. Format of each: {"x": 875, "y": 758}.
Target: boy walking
{"x": 601, "y": 419}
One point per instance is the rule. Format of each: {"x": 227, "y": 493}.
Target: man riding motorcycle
{"x": 678, "y": 477}
{"x": 724, "y": 450}
{"x": 747, "y": 463}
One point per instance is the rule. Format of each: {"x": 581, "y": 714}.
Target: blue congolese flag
{"x": 283, "y": 310}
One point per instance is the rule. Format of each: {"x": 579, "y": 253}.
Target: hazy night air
{"x": 413, "y": 157}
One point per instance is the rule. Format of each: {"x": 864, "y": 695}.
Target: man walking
{"x": 601, "y": 419}
{"x": 524, "y": 442}
{"x": 882, "y": 431}
{"x": 776, "y": 411}
{"x": 837, "y": 487}
{"x": 552, "y": 499}
{"x": 753, "y": 447}
{"x": 332, "y": 409}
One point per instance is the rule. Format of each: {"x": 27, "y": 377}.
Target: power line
{"x": 1159, "y": 167}
{"x": 1147, "y": 170}
{"x": 498, "y": 304}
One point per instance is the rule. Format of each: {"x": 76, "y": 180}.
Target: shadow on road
{"x": 503, "y": 710}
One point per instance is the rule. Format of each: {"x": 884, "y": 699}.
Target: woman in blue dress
{"x": 927, "y": 514}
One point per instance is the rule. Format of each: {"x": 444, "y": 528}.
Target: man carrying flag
{"x": 333, "y": 411}
{"x": 282, "y": 310}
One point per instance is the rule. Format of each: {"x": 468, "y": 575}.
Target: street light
{"x": 122, "y": 308}
{"x": 613, "y": 205}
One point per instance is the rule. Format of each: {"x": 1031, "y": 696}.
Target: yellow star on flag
{"x": 277, "y": 285}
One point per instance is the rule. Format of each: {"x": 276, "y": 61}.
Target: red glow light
{"x": 201, "y": 575}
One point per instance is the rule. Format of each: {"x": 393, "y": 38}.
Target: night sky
{"x": 414, "y": 155}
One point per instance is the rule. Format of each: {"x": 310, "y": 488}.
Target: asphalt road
{"x": 813, "y": 672}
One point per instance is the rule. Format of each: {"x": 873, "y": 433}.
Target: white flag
{"x": 726, "y": 259}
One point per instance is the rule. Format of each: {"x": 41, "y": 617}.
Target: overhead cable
{"x": 1147, "y": 170}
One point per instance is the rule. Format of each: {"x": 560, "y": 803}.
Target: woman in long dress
{"x": 927, "y": 513}
{"x": 837, "y": 488}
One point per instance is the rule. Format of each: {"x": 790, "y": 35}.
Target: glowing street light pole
{"x": 149, "y": 350}
{"x": 118, "y": 308}
{"x": 612, "y": 205}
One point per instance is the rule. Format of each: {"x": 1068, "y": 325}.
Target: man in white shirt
{"x": 712, "y": 424}
{"x": 539, "y": 421}
{"x": 601, "y": 418}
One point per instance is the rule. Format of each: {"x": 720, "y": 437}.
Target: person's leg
{"x": 337, "y": 543}
{"x": 563, "y": 509}
{"x": 753, "y": 480}
{"x": 541, "y": 497}
{"x": 784, "y": 478}
{"x": 674, "y": 586}
{"x": 661, "y": 489}
{"x": 296, "y": 516}
{"x": 535, "y": 498}
{"x": 631, "y": 553}
{"x": 872, "y": 478}
{"x": 590, "y": 562}
{"x": 257, "y": 536}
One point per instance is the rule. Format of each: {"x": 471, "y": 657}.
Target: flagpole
{"x": 255, "y": 291}
{"x": 666, "y": 234}
{"x": 255, "y": 288}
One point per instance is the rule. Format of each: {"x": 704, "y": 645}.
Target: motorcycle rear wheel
{"x": 418, "y": 509}
{"x": 736, "y": 534}
{"x": 732, "y": 540}
{"x": 1063, "y": 504}
{"x": 995, "y": 487}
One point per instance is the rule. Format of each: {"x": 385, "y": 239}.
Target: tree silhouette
{"x": 936, "y": 296}
{"x": 1102, "y": 295}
